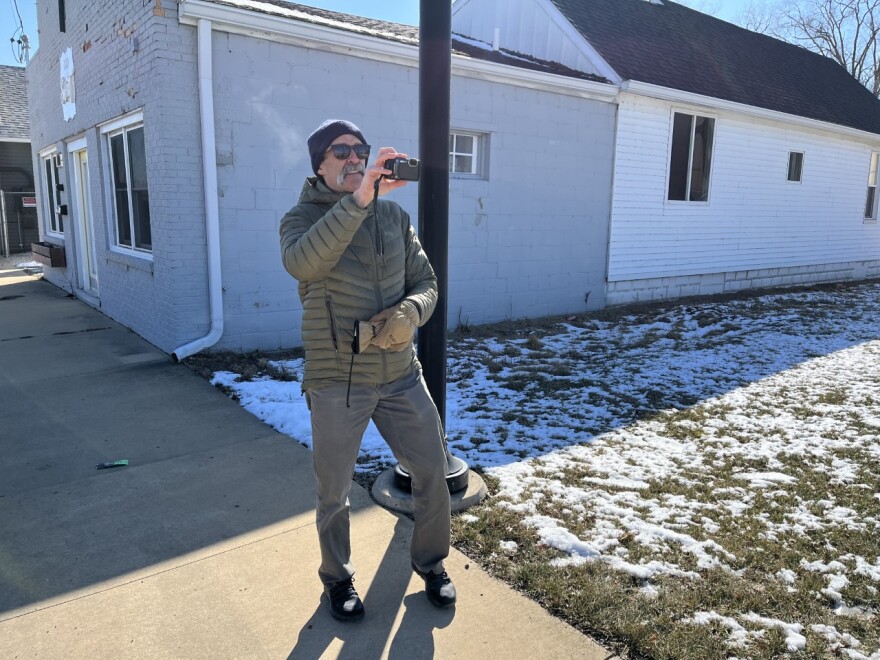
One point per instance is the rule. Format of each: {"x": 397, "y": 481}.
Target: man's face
{"x": 343, "y": 175}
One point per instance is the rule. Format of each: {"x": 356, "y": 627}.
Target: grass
{"x": 659, "y": 472}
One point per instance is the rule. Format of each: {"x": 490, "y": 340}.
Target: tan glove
{"x": 394, "y": 327}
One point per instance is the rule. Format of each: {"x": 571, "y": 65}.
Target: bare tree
{"x": 760, "y": 17}
{"x": 847, "y": 31}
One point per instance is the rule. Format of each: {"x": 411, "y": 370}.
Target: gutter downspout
{"x": 212, "y": 211}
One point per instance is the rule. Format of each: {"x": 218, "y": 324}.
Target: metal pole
{"x": 435, "y": 65}
{"x": 435, "y": 69}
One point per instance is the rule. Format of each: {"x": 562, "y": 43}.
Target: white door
{"x": 85, "y": 235}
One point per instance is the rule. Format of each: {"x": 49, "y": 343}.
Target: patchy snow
{"x": 508, "y": 546}
{"x": 604, "y": 433}
{"x": 358, "y": 24}
{"x": 764, "y": 479}
{"x": 793, "y": 638}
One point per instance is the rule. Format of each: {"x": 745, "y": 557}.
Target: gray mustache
{"x": 349, "y": 168}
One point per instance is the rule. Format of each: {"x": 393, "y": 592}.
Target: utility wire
{"x": 15, "y": 40}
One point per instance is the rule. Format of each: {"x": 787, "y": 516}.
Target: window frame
{"x": 800, "y": 172}
{"x": 872, "y": 199}
{"x": 478, "y": 154}
{"x": 53, "y": 220}
{"x": 123, "y": 126}
{"x": 694, "y": 116}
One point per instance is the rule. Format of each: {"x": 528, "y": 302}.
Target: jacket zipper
{"x": 329, "y": 302}
{"x": 376, "y": 288}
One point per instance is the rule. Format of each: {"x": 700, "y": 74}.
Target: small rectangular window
{"x": 795, "y": 165}
{"x": 871, "y": 202}
{"x": 465, "y": 153}
{"x": 690, "y": 159}
{"x": 128, "y": 176}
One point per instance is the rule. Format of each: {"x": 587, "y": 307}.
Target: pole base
{"x": 456, "y": 479}
{"x": 386, "y": 493}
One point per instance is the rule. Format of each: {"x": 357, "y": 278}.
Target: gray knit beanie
{"x": 321, "y": 139}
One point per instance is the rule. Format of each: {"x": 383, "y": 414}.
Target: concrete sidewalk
{"x": 204, "y": 546}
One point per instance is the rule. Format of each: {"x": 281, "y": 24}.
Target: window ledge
{"x": 130, "y": 261}
{"x": 869, "y": 221}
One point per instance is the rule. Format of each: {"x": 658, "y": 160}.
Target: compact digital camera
{"x": 404, "y": 169}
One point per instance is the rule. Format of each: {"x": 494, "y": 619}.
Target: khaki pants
{"x": 407, "y": 418}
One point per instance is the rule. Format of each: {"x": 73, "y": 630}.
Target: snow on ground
{"x": 749, "y": 402}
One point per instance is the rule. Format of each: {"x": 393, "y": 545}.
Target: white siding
{"x": 755, "y": 218}
{"x": 526, "y": 26}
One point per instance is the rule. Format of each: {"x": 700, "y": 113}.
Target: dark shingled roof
{"x": 13, "y": 103}
{"x": 673, "y": 46}
{"x": 409, "y": 34}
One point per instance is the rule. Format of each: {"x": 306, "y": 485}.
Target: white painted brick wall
{"x": 163, "y": 300}
{"x": 521, "y": 245}
{"x": 625, "y": 292}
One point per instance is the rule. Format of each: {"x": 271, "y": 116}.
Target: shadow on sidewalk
{"x": 78, "y": 389}
{"x": 367, "y": 639}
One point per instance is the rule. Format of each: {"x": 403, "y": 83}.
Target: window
{"x": 795, "y": 165}
{"x": 52, "y": 193}
{"x": 871, "y": 202}
{"x": 690, "y": 160}
{"x": 464, "y": 153}
{"x": 128, "y": 179}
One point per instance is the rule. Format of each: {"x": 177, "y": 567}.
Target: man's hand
{"x": 364, "y": 194}
{"x": 395, "y": 326}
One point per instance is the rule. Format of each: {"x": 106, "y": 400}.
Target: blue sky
{"x": 398, "y": 11}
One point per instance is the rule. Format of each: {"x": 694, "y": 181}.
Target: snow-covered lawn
{"x": 733, "y": 442}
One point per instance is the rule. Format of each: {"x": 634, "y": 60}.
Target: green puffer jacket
{"x": 350, "y": 266}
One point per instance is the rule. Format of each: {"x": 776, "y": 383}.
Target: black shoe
{"x": 438, "y": 587}
{"x": 345, "y": 604}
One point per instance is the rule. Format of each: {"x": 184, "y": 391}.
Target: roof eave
{"x": 284, "y": 29}
{"x": 713, "y": 103}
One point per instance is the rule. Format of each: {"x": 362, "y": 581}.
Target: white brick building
{"x": 562, "y": 198}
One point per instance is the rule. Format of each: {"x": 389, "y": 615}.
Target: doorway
{"x": 81, "y": 200}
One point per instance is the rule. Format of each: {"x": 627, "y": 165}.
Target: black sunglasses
{"x": 341, "y": 151}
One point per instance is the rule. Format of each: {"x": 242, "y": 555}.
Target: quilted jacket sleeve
{"x": 311, "y": 248}
{"x": 421, "y": 282}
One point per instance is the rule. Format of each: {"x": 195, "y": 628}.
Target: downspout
{"x": 212, "y": 211}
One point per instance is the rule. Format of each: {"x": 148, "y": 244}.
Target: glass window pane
{"x": 140, "y": 204}
{"x": 704, "y": 134}
{"x": 123, "y": 222}
{"x": 50, "y": 196}
{"x": 678, "y": 160}
{"x": 464, "y": 144}
{"x": 464, "y": 164}
{"x": 869, "y": 204}
{"x": 137, "y": 159}
{"x": 120, "y": 189}
{"x": 795, "y": 165}
{"x": 117, "y": 154}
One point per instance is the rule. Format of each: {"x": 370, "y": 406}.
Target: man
{"x": 357, "y": 258}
